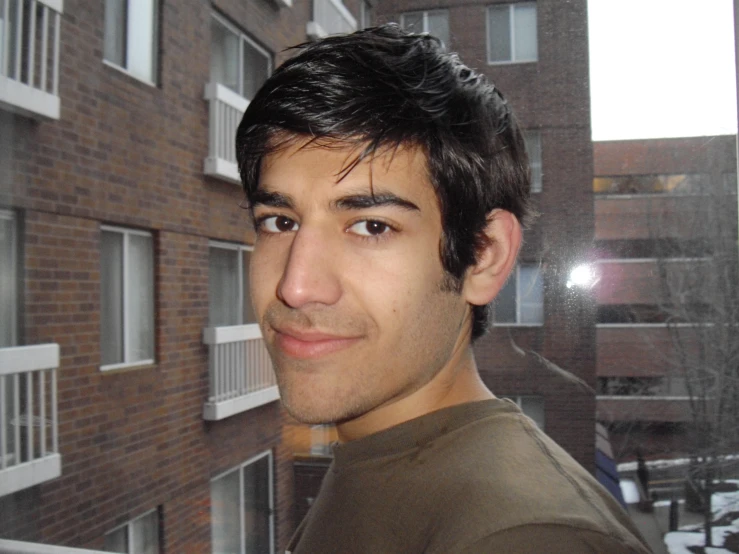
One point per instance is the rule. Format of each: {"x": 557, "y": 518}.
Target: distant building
{"x": 664, "y": 208}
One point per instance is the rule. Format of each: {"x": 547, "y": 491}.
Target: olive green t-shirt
{"x": 472, "y": 478}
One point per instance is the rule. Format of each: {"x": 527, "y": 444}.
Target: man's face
{"x": 347, "y": 281}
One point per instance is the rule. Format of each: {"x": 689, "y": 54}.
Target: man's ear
{"x": 495, "y": 261}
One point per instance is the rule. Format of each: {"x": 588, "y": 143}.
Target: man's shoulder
{"x": 555, "y": 539}
{"x": 506, "y": 474}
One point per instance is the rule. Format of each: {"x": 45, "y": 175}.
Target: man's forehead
{"x": 392, "y": 177}
{"x": 354, "y": 152}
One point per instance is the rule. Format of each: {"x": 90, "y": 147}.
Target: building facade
{"x": 666, "y": 229}
{"x": 536, "y": 53}
{"x": 139, "y": 412}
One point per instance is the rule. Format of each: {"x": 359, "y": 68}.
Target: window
{"x": 127, "y": 303}
{"x": 241, "y": 508}
{"x": 8, "y": 279}
{"x": 512, "y": 33}
{"x": 435, "y": 23}
{"x": 365, "y": 15}
{"x": 228, "y": 284}
{"x": 132, "y": 35}
{"x": 533, "y": 147}
{"x": 236, "y": 61}
{"x": 138, "y": 536}
{"x": 531, "y": 406}
{"x": 521, "y": 300}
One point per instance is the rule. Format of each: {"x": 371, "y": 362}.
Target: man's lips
{"x": 310, "y": 344}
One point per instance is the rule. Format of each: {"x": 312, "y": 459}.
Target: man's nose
{"x": 310, "y": 272}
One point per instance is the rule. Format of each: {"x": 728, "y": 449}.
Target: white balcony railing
{"x": 19, "y": 547}
{"x": 29, "y": 429}
{"x": 330, "y": 17}
{"x": 29, "y": 56}
{"x": 226, "y": 110}
{"x": 241, "y": 375}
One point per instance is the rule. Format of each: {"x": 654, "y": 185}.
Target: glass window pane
{"x": 140, "y": 47}
{"x": 499, "y": 34}
{"x": 115, "y": 31}
{"x": 223, "y": 287}
{"x": 117, "y": 541}
{"x": 224, "y": 56}
{"x": 533, "y": 406}
{"x": 438, "y": 26}
{"x": 505, "y": 302}
{"x": 524, "y": 17}
{"x": 365, "y": 15}
{"x": 249, "y": 316}
{"x": 257, "y": 507}
{"x": 256, "y": 69}
{"x": 413, "y": 22}
{"x": 8, "y": 269}
{"x": 146, "y": 534}
{"x": 531, "y": 295}
{"x": 140, "y": 300}
{"x": 533, "y": 147}
{"x": 225, "y": 514}
{"x": 111, "y": 298}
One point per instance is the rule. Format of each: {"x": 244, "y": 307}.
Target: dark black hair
{"x": 385, "y": 88}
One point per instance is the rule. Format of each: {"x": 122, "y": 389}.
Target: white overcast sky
{"x": 662, "y": 68}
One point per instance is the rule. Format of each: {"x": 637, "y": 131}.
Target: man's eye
{"x": 370, "y": 228}
{"x": 278, "y": 224}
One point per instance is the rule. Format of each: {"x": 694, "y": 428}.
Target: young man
{"x": 388, "y": 185}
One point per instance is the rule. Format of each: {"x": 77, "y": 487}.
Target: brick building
{"x": 536, "y": 53}
{"x": 138, "y": 404}
{"x": 665, "y": 216}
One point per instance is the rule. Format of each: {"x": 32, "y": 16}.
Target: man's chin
{"x": 316, "y": 412}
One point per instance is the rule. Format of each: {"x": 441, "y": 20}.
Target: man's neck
{"x": 457, "y": 383}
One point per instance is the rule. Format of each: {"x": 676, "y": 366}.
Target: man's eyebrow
{"x": 364, "y": 201}
{"x": 261, "y": 197}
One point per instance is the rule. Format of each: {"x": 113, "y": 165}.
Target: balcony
{"x": 330, "y": 17}
{"x": 29, "y": 57}
{"x": 653, "y": 409}
{"x": 241, "y": 375}
{"x": 225, "y": 113}
{"x": 644, "y": 350}
{"x": 20, "y": 547}
{"x": 29, "y": 430}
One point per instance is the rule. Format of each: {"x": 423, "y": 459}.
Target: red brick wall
{"x": 130, "y": 154}
{"x": 552, "y": 96}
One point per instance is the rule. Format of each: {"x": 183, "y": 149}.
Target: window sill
{"x": 127, "y": 365}
{"x": 513, "y": 62}
{"x": 128, "y": 73}
{"x": 496, "y": 324}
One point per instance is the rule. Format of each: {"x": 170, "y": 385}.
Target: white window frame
{"x": 271, "y": 489}
{"x": 515, "y": 274}
{"x": 365, "y": 14}
{"x": 129, "y": 529}
{"x": 240, "y": 248}
{"x": 9, "y": 215}
{"x": 126, "y": 232}
{"x": 519, "y": 400}
{"x": 512, "y": 27}
{"x": 425, "y": 18}
{"x": 535, "y": 164}
{"x": 151, "y": 80}
{"x": 244, "y": 37}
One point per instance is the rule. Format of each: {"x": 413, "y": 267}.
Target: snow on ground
{"x": 723, "y": 503}
{"x": 661, "y": 464}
